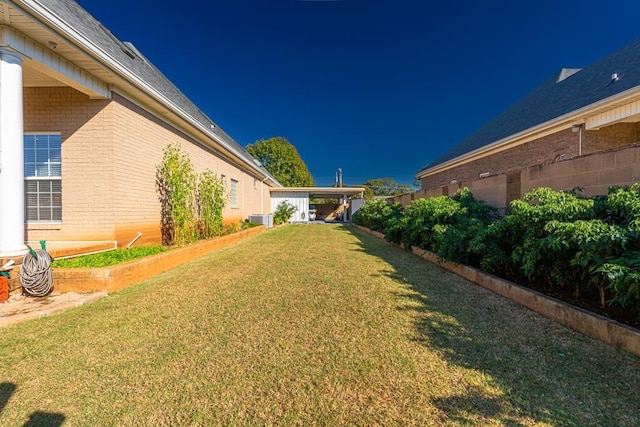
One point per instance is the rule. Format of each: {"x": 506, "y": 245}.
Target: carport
{"x": 300, "y": 197}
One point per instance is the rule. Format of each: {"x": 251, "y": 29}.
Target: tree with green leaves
{"x": 387, "y": 187}
{"x": 282, "y": 161}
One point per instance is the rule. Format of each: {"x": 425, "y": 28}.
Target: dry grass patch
{"x": 311, "y": 325}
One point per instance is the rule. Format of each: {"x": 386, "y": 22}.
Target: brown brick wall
{"x": 609, "y": 137}
{"x": 110, "y": 150}
{"x": 594, "y": 172}
{"x": 540, "y": 152}
{"x": 492, "y": 190}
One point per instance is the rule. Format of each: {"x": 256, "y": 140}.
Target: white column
{"x": 11, "y": 156}
{"x": 344, "y": 208}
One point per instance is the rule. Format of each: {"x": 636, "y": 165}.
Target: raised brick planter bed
{"x": 117, "y": 277}
{"x": 585, "y": 322}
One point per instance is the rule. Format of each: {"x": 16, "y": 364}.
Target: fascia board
{"x": 543, "y": 129}
{"x": 36, "y": 8}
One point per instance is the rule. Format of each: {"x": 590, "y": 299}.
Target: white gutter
{"x": 261, "y": 195}
{"x": 61, "y": 26}
{"x": 576, "y": 116}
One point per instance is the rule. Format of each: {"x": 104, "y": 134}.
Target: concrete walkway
{"x": 19, "y": 308}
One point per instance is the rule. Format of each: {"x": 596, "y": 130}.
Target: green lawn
{"x": 310, "y": 325}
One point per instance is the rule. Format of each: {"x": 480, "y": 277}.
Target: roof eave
{"x": 328, "y": 190}
{"x": 50, "y": 19}
{"x": 543, "y": 129}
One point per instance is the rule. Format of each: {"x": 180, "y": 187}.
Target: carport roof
{"x": 321, "y": 192}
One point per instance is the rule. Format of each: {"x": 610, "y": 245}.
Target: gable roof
{"x": 95, "y": 37}
{"x": 563, "y": 93}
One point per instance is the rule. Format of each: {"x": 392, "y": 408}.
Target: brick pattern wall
{"x": 540, "y": 152}
{"x": 594, "y": 172}
{"x": 614, "y": 136}
{"x": 87, "y": 160}
{"x": 110, "y": 151}
{"x": 610, "y": 156}
{"x": 140, "y": 138}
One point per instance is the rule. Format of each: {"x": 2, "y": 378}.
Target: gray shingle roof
{"x": 556, "y": 97}
{"x": 129, "y": 57}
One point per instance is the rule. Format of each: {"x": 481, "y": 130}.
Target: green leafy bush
{"x": 452, "y": 227}
{"x": 423, "y": 219}
{"x": 191, "y": 204}
{"x": 176, "y": 187}
{"x": 463, "y": 241}
{"x": 211, "y": 198}
{"x": 375, "y": 214}
{"x": 623, "y": 274}
{"x": 622, "y": 270}
{"x": 520, "y": 234}
{"x": 283, "y": 213}
{"x": 587, "y": 246}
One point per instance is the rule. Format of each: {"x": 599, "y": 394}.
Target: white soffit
{"x": 46, "y": 62}
{"x": 620, "y": 114}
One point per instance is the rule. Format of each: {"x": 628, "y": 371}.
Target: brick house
{"x": 84, "y": 119}
{"x": 580, "y": 128}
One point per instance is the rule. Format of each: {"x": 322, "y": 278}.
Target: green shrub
{"x": 211, "y": 198}
{"x": 463, "y": 241}
{"x": 423, "y": 219}
{"x": 520, "y": 234}
{"x": 623, "y": 275}
{"x": 190, "y": 204}
{"x": 176, "y": 187}
{"x": 375, "y": 214}
{"x": 622, "y": 270}
{"x": 589, "y": 245}
{"x": 283, "y": 213}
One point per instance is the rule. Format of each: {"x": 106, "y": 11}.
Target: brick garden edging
{"x": 588, "y": 323}
{"x": 117, "y": 277}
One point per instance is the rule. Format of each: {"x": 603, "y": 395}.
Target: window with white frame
{"x": 43, "y": 177}
{"x": 234, "y": 193}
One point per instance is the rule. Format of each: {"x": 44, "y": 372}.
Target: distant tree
{"x": 368, "y": 192}
{"x": 417, "y": 182}
{"x": 387, "y": 187}
{"x": 282, "y": 161}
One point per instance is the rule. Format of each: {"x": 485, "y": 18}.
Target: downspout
{"x": 580, "y": 141}
{"x": 244, "y": 175}
{"x": 262, "y": 195}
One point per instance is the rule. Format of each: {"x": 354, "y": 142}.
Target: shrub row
{"x": 590, "y": 246}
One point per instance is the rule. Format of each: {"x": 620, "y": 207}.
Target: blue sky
{"x": 377, "y": 88}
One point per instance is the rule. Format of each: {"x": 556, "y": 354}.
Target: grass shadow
{"x": 6, "y": 391}
{"x": 544, "y": 371}
{"x": 44, "y": 419}
{"x": 37, "y": 418}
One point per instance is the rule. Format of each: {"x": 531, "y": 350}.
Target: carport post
{"x": 344, "y": 207}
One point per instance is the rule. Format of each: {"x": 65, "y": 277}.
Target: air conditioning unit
{"x": 264, "y": 219}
